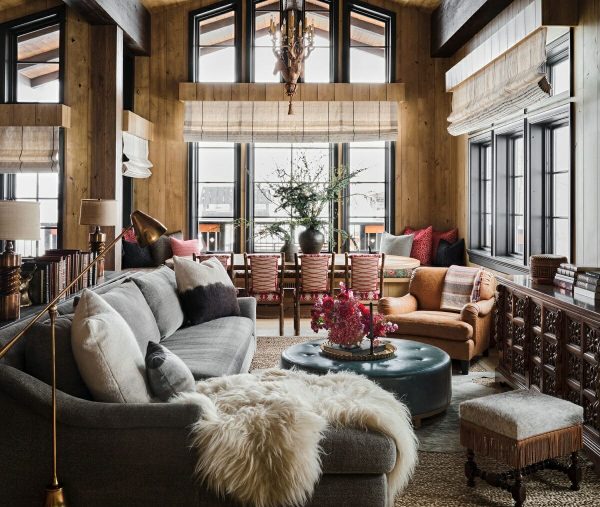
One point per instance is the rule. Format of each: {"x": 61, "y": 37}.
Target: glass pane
{"x": 215, "y": 200}
{"x": 363, "y": 233}
{"x": 488, "y": 230}
{"x": 368, "y": 65}
{"x": 262, "y": 22}
{"x": 49, "y": 212}
{"x": 316, "y": 5}
{"x": 487, "y": 153}
{"x": 561, "y": 149}
{"x": 217, "y": 30}
{"x": 518, "y": 196}
{"x": 518, "y": 158}
{"x": 317, "y": 66}
{"x": 366, "y": 31}
{"x": 40, "y": 45}
{"x": 48, "y": 185}
{"x": 560, "y": 194}
{"x": 265, "y": 204}
{"x": 367, "y": 200}
{"x": 216, "y": 65}
{"x": 267, "y": 160}
{"x": 25, "y": 186}
{"x": 216, "y": 235}
{"x": 560, "y": 77}
{"x": 561, "y": 237}
{"x": 38, "y": 82}
{"x": 488, "y": 196}
{"x": 266, "y": 243}
{"x": 372, "y": 160}
{"x": 268, "y": 5}
{"x": 316, "y": 161}
{"x": 215, "y": 164}
{"x": 264, "y": 64}
{"x": 519, "y": 235}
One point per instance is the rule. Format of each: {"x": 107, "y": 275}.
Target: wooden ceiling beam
{"x": 130, "y": 15}
{"x": 455, "y": 22}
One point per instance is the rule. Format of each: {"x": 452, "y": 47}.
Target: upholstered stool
{"x": 525, "y": 430}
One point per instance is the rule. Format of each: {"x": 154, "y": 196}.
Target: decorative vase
{"x": 289, "y": 248}
{"x": 311, "y": 240}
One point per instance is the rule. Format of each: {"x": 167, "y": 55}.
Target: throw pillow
{"x": 183, "y": 248}
{"x": 396, "y": 245}
{"x": 450, "y": 236}
{"x": 167, "y": 374}
{"x": 161, "y": 250}
{"x": 134, "y": 256}
{"x": 422, "y": 244}
{"x": 461, "y": 286}
{"x": 107, "y": 355}
{"x": 205, "y": 289}
{"x": 160, "y": 292}
{"x": 38, "y": 357}
{"x": 450, "y": 253}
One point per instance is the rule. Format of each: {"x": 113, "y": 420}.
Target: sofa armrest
{"x": 248, "y": 307}
{"x": 395, "y": 306}
{"x": 475, "y": 310}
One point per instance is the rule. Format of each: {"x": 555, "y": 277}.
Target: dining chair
{"x": 314, "y": 279}
{"x": 263, "y": 276}
{"x": 226, "y": 259}
{"x": 364, "y": 275}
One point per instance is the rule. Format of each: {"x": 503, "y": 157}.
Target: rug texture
{"x": 439, "y": 480}
{"x": 254, "y": 424}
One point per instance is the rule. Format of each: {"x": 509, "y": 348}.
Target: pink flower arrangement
{"x": 347, "y": 319}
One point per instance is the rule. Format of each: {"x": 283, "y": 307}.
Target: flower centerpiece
{"x": 347, "y": 319}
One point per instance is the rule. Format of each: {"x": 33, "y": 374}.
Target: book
{"x": 594, "y": 287}
{"x": 586, "y": 294}
{"x": 577, "y": 269}
{"x": 564, "y": 278}
{"x": 566, "y": 292}
{"x": 564, "y": 285}
{"x": 590, "y": 276}
{"x": 566, "y": 272}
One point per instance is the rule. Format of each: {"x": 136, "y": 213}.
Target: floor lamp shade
{"x": 19, "y": 220}
{"x": 98, "y": 212}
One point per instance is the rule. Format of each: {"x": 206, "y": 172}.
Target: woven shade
{"x": 29, "y": 149}
{"x": 98, "y": 212}
{"x": 135, "y": 157}
{"x": 19, "y": 220}
{"x": 509, "y": 84}
{"x": 342, "y": 121}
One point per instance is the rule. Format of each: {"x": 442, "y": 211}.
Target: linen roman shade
{"x": 512, "y": 82}
{"x": 29, "y": 149}
{"x": 135, "y": 157}
{"x": 247, "y": 121}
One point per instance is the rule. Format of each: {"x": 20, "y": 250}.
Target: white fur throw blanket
{"x": 258, "y": 440}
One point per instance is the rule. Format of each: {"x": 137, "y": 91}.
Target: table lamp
{"x": 147, "y": 231}
{"x": 98, "y": 212}
{"x": 18, "y": 220}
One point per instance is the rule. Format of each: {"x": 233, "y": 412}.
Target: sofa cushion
{"x": 129, "y": 302}
{"x": 185, "y": 248}
{"x": 167, "y": 374}
{"x": 422, "y": 245}
{"x": 435, "y": 324}
{"x": 38, "y": 357}
{"x": 135, "y": 256}
{"x": 450, "y": 253}
{"x": 450, "y": 236}
{"x": 215, "y": 348}
{"x": 396, "y": 245}
{"x": 106, "y": 352}
{"x": 160, "y": 291}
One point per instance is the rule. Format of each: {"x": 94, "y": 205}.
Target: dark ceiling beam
{"x": 455, "y": 22}
{"x": 130, "y": 15}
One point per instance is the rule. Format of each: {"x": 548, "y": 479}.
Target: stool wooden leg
{"x": 574, "y": 472}
{"x": 518, "y": 489}
{"x": 470, "y": 468}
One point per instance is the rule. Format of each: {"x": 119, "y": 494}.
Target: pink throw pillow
{"x": 185, "y": 248}
{"x": 451, "y": 236}
{"x": 422, "y": 244}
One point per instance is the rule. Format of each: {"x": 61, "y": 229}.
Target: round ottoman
{"x": 419, "y": 374}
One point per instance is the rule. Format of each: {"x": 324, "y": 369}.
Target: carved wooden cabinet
{"x": 551, "y": 342}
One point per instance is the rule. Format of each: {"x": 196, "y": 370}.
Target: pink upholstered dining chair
{"x": 364, "y": 275}
{"x": 263, "y": 276}
{"x": 226, "y": 259}
{"x": 314, "y": 279}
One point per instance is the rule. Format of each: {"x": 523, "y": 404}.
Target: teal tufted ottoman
{"x": 524, "y": 429}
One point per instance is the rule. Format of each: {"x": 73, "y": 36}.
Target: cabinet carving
{"x": 551, "y": 342}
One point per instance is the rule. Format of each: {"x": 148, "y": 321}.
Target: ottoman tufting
{"x": 527, "y": 431}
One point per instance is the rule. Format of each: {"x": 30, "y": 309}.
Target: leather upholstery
{"x": 462, "y": 335}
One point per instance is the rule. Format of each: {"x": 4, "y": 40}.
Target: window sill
{"x": 506, "y": 265}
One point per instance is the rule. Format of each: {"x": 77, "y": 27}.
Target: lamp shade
{"x": 98, "y": 212}
{"x": 19, "y": 220}
{"x": 147, "y": 229}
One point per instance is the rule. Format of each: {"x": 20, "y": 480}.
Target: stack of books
{"x": 565, "y": 278}
{"x": 587, "y": 286}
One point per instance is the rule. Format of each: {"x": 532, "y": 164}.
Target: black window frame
{"x": 476, "y": 196}
{"x": 511, "y": 194}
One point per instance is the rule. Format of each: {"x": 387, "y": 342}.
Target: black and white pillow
{"x": 167, "y": 374}
{"x": 205, "y": 290}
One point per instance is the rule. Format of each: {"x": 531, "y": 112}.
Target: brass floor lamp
{"x": 147, "y": 231}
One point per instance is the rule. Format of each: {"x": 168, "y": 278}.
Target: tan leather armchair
{"x": 463, "y": 335}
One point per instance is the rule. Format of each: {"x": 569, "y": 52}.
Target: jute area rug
{"x": 439, "y": 479}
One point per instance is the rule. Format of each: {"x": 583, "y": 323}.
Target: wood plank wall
{"x": 426, "y": 171}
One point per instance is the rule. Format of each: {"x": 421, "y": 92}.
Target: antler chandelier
{"x": 292, "y": 44}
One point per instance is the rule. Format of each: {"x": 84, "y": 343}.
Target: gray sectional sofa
{"x": 130, "y": 455}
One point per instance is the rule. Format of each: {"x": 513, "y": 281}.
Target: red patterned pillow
{"x": 422, "y": 244}
{"x": 451, "y": 236}
{"x": 130, "y": 236}
{"x": 183, "y": 248}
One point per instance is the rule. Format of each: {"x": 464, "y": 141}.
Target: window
{"x": 516, "y": 196}
{"x": 368, "y": 44}
{"x": 485, "y": 168}
{"x": 559, "y": 65}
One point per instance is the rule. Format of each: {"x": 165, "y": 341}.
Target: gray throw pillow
{"x": 396, "y": 245}
{"x": 205, "y": 290}
{"x": 167, "y": 374}
{"x": 130, "y": 303}
{"x": 38, "y": 357}
{"x": 160, "y": 291}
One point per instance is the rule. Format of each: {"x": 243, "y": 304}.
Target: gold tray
{"x": 334, "y": 353}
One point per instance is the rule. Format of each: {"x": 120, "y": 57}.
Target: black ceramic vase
{"x": 311, "y": 241}
{"x": 289, "y": 248}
